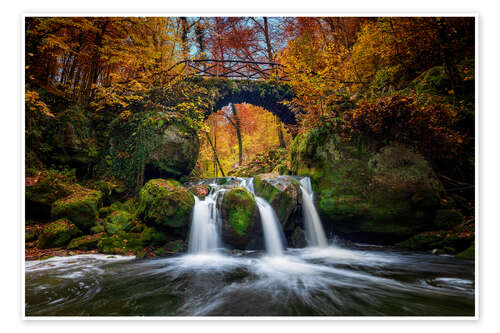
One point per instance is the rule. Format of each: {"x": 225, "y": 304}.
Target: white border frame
{"x": 210, "y": 13}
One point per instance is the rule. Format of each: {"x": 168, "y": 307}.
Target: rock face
{"x": 175, "y": 154}
{"x": 282, "y": 192}
{"x": 86, "y": 242}
{"x": 165, "y": 203}
{"x": 240, "y": 219}
{"x": 81, "y": 207}
{"x": 381, "y": 197}
{"x": 41, "y": 191}
{"x": 57, "y": 234}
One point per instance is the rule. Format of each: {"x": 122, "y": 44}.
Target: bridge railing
{"x": 232, "y": 69}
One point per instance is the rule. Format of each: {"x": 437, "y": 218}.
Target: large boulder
{"x": 57, "y": 234}
{"x": 42, "y": 188}
{"x": 165, "y": 203}
{"x": 240, "y": 218}
{"x": 282, "y": 192}
{"x": 86, "y": 242}
{"x": 119, "y": 220}
{"x": 175, "y": 152}
{"x": 384, "y": 196}
{"x": 81, "y": 207}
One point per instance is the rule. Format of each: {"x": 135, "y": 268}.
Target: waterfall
{"x": 315, "y": 234}
{"x": 271, "y": 227}
{"x": 203, "y": 236}
{"x": 273, "y": 234}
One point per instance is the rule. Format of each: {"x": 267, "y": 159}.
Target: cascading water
{"x": 315, "y": 235}
{"x": 270, "y": 224}
{"x": 204, "y": 236}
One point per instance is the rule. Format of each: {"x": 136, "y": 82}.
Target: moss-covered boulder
{"x": 239, "y": 214}
{"x": 282, "y": 192}
{"x": 42, "y": 188}
{"x": 121, "y": 243}
{"x": 424, "y": 241}
{"x": 448, "y": 218}
{"x": 469, "y": 253}
{"x": 57, "y": 234}
{"x": 171, "y": 247}
{"x": 119, "y": 221}
{"x": 31, "y": 233}
{"x": 175, "y": 153}
{"x": 86, "y": 242}
{"x": 165, "y": 203}
{"x": 365, "y": 194}
{"x": 81, "y": 207}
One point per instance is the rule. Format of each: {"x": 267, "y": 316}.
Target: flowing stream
{"x": 321, "y": 280}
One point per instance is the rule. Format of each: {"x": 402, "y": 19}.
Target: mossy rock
{"x": 448, "y": 218}
{"x": 469, "y": 253}
{"x": 239, "y": 215}
{"x": 171, "y": 247}
{"x": 121, "y": 243}
{"x": 112, "y": 190}
{"x": 176, "y": 153}
{"x": 57, "y": 234}
{"x": 165, "y": 203}
{"x": 383, "y": 197}
{"x": 86, "y": 242}
{"x": 43, "y": 189}
{"x": 424, "y": 241}
{"x": 154, "y": 237}
{"x": 119, "y": 220}
{"x": 282, "y": 192}
{"x": 80, "y": 207}
{"x": 31, "y": 234}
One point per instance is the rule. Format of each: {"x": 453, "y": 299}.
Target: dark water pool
{"x": 356, "y": 281}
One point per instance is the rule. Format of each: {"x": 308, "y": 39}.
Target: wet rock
{"x": 282, "y": 192}
{"x": 240, "y": 216}
{"x": 298, "y": 238}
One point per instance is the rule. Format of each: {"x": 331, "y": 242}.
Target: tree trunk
{"x": 237, "y": 126}
{"x": 215, "y": 155}
{"x": 280, "y": 135}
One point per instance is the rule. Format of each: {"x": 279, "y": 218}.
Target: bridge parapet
{"x": 232, "y": 69}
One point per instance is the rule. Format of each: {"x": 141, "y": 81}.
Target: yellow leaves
{"x": 35, "y": 105}
{"x": 125, "y": 114}
{"x": 451, "y": 92}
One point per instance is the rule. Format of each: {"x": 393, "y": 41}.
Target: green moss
{"x": 171, "y": 247}
{"x": 119, "y": 221}
{"x": 57, "y": 234}
{"x": 448, "y": 218}
{"x": 469, "y": 253}
{"x": 121, "y": 243}
{"x": 424, "y": 241}
{"x": 240, "y": 207}
{"x": 154, "y": 237}
{"x": 86, "y": 242}
{"x": 31, "y": 234}
{"x": 166, "y": 203}
{"x": 80, "y": 207}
